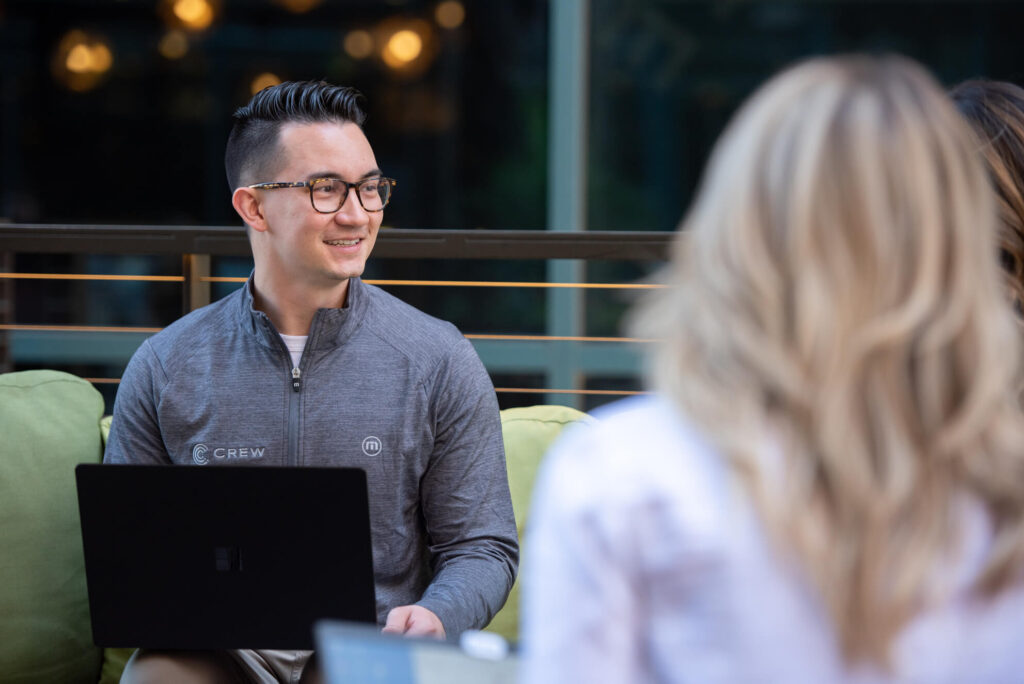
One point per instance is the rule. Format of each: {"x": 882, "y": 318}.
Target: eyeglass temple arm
{"x": 274, "y": 186}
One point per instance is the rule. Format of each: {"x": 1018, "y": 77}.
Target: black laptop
{"x": 193, "y": 557}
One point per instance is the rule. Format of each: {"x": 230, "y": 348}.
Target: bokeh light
{"x": 406, "y": 45}
{"x": 402, "y": 47}
{"x": 358, "y": 44}
{"x": 174, "y": 44}
{"x": 264, "y": 80}
{"x": 82, "y": 60}
{"x": 450, "y": 14}
{"x": 79, "y": 59}
{"x": 298, "y": 6}
{"x": 191, "y": 15}
{"x": 196, "y": 14}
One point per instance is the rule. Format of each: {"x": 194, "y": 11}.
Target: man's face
{"x": 305, "y": 247}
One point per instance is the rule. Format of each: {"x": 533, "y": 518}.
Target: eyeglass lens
{"x": 329, "y": 194}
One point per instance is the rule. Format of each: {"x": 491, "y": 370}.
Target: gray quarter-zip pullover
{"x": 380, "y": 386}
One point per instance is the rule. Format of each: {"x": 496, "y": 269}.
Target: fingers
{"x": 414, "y": 621}
{"x": 420, "y": 627}
{"x": 397, "y": 621}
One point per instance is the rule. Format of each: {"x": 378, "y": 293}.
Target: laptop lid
{"x": 193, "y": 557}
{"x": 350, "y": 653}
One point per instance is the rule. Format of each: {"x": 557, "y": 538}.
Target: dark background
{"x": 465, "y": 132}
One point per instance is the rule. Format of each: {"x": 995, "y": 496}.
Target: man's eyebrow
{"x": 322, "y": 174}
{"x": 335, "y": 174}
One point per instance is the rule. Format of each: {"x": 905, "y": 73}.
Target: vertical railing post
{"x": 6, "y": 311}
{"x": 195, "y": 289}
{"x": 569, "y": 73}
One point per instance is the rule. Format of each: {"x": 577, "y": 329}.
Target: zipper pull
{"x": 296, "y": 378}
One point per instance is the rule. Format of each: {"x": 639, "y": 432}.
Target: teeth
{"x": 340, "y": 243}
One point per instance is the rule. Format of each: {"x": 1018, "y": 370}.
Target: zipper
{"x": 294, "y": 402}
{"x": 293, "y": 417}
{"x": 292, "y": 454}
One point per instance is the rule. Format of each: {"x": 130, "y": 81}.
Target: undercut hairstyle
{"x": 835, "y": 325}
{"x": 253, "y": 142}
{"x": 995, "y": 111}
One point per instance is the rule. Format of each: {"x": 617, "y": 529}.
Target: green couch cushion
{"x": 105, "y": 428}
{"x": 114, "y": 659}
{"x": 49, "y": 421}
{"x": 528, "y": 432}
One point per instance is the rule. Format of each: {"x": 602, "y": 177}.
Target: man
{"x": 307, "y": 362}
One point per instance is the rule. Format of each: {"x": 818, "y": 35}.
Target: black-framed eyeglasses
{"x": 328, "y": 195}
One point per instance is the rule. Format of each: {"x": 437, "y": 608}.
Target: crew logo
{"x": 372, "y": 446}
{"x": 202, "y": 454}
{"x": 199, "y": 454}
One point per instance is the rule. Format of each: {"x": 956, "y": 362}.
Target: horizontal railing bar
{"x": 512, "y": 283}
{"x": 555, "y": 338}
{"x": 475, "y": 283}
{"x": 392, "y": 243}
{"x": 418, "y": 283}
{"x": 88, "y": 276}
{"x": 77, "y": 328}
{"x": 124, "y": 239}
{"x": 531, "y": 390}
{"x": 500, "y": 390}
{"x": 470, "y": 336}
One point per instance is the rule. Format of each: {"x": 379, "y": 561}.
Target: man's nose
{"x": 351, "y": 209}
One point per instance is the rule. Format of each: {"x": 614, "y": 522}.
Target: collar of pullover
{"x": 330, "y": 327}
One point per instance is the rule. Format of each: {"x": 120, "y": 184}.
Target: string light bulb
{"x": 450, "y": 14}
{"x": 358, "y": 44}
{"x": 407, "y": 46}
{"x": 264, "y": 80}
{"x": 190, "y": 15}
{"x": 82, "y": 60}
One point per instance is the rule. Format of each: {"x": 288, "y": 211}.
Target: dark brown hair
{"x": 253, "y": 139}
{"x": 995, "y": 110}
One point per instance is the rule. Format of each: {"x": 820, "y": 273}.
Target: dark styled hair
{"x": 253, "y": 139}
{"x": 995, "y": 110}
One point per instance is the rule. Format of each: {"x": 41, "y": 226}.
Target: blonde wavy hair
{"x": 834, "y": 291}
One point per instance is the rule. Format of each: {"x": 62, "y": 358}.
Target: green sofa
{"x": 528, "y": 432}
{"x": 49, "y": 422}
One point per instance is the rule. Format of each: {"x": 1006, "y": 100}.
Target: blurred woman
{"x": 995, "y": 111}
{"x": 827, "y": 483}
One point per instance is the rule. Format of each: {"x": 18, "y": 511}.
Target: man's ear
{"x": 246, "y": 203}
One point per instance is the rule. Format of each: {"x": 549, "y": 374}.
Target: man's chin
{"x": 344, "y": 275}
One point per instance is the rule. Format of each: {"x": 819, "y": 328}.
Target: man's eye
{"x": 327, "y": 187}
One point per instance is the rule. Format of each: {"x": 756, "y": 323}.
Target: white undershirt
{"x": 295, "y": 344}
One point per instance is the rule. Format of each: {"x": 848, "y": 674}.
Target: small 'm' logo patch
{"x": 372, "y": 446}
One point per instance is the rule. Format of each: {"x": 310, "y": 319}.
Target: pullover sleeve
{"x": 135, "y": 435}
{"x": 465, "y": 498}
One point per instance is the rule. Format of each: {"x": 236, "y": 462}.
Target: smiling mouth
{"x": 343, "y": 243}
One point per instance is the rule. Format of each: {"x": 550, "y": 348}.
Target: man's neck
{"x": 291, "y": 309}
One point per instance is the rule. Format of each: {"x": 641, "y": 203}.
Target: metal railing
{"x": 197, "y": 244}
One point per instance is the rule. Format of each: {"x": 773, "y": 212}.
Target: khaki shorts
{"x": 262, "y": 667}
{"x": 272, "y": 667}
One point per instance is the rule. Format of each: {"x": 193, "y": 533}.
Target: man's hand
{"x": 414, "y": 621}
